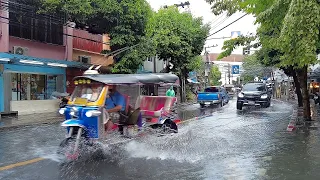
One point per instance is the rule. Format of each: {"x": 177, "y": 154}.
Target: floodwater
{"x": 226, "y": 144}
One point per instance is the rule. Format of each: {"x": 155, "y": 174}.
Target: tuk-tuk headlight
{"x": 240, "y": 95}
{"x": 62, "y": 111}
{"x": 93, "y": 113}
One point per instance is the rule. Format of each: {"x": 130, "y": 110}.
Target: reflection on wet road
{"x": 229, "y": 144}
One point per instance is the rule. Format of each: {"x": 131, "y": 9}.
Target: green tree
{"x": 125, "y": 21}
{"x": 178, "y": 38}
{"x": 215, "y": 76}
{"x": 288, "y": 27}
{"x": 195, "y": 64}
{"x": 245, "y": 78}
{"x": 298, "y": 42}
{"x": 252, "y": 67}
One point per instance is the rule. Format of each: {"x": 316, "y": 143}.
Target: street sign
{"x": 235, "y": 69}
{"x": 235, "y": 34}
{"x": 193, "y": 76}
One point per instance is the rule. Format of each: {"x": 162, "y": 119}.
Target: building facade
{"x": 87, "y": 49}
{"x": 152, "y": 65}
{"x": 39, "y": 55}
{"x": 225, "y": 66}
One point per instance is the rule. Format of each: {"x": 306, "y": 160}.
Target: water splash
{"x": 48, "y": 152}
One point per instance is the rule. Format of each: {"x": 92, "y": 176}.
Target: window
{"x": 32, "y": 86}
{"x": 90, "y": 92}
{"x": 212, "y": 89}
{"x": 254, "y": 87}
{"x": 150, "y": 59}
{"x": 26, "y": 23}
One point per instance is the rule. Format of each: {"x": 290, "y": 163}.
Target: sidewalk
{"x": 297, "y": 121}
{"x": 27, "y": 120}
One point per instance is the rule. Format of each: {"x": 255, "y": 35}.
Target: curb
{"x": 31, "y": 124}
{"x": 294, "y": 116}
{"x": 295, "y": 120}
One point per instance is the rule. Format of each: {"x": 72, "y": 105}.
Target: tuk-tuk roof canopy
{"x": 154, "y": 78}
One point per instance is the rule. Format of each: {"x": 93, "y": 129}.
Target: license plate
{"x": 207, "y": 103}
{"x": 251, "y": 102}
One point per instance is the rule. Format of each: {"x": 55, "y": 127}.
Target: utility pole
{"x": 229, "y": 72}
{"x": 207, "y": 65}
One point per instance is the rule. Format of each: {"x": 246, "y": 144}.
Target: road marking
{"x": 24, "y": 163}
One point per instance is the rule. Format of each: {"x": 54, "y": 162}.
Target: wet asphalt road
{"x": 230, "y": 144}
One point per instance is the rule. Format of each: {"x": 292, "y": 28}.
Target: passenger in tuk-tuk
{"x": 114, "y": 104}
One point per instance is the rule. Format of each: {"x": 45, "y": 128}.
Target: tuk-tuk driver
{"x": 114, "y": 104}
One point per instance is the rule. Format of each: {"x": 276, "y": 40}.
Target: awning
{"x": 20, "y": 59}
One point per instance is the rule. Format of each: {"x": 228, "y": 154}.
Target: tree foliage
{"x": 195, "y": 64}
{"x": 300, "y": 32}
{"x": 252, "y": 67}
{"x": 215, "y": 76}
{"x": 288, "y": 33}
{"x": 125, "y": 21}
{"x": 232, "y": 6}
{"x": 230, "y": 45}
{"x": 178, "y": 37}
{"x": 289, "y": 28}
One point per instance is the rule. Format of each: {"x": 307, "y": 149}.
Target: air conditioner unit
{"x": 20, "y": 50}
{"x": 84, "y": 59}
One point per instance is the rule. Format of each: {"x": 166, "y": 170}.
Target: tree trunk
{"x": 297, "y": 89}
{"x": 182, "y": 80}
{"x": 303, "y": 78}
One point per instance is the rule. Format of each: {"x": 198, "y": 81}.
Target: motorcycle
{"x": 64, "y": 98}
{"x": 85, "y": 113}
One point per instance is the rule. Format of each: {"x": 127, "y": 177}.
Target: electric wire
{"x": 227, "y": 25}
{"x": 217, "y": 19}
{"x": 220, "y": 23}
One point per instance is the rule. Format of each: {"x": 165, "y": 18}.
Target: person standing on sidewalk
{"x": 171, "y": 92}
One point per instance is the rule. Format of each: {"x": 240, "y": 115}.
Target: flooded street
{"x": 228, "y": 144}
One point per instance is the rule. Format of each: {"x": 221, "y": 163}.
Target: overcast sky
{"x": 200, "y": 8}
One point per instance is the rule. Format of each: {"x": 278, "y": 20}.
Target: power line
{"x": 220, "y": 22}
{"x": 219, "y": 17}
{"x": 220, "y": 38}
{"x": 227, "y": 25}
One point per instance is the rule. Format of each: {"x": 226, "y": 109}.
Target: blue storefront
{"x": 28, "y": 80}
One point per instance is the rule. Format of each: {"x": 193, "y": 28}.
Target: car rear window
{"x": 211, "y": 89}
{"x": 254, "y": 87}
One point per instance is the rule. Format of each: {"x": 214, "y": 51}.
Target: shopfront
{"x": 26, "y": 86}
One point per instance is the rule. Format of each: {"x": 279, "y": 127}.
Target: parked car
{"x": 213, "y": 95}
{"x": 254, "y": 94}
{"x": 230, "y": 90}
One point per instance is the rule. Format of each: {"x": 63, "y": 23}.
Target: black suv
{"x": 254, "y": 94}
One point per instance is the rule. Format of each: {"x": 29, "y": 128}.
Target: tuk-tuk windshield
{"x": 90, "y": 92}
